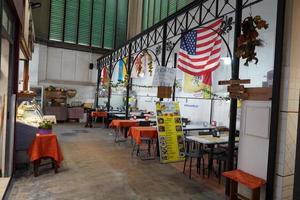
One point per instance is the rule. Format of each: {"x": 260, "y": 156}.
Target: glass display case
{"x": 29, "y": 113}
{"x": 39, "y": 91}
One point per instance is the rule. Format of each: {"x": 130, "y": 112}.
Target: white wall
{"x": 57, "y": 64}
{"x": 4, "y": 73}
{"x": 254, "y": 139}
{"x": 63, "y": 68}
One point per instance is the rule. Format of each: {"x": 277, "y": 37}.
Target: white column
{"x": 289, "y": 104}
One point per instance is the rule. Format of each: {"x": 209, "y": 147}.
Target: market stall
{"x": 210, "y": 95}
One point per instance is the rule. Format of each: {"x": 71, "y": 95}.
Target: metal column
{"x": 275, "y": 99}
{"x": 174, "y": 87}
{"x": 128, "y": 84}
{"x": 233, "y": 103}
{"x": 109, "y": 85}
{"x": 97, "y": 87}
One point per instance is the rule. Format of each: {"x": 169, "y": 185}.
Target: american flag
{"x": 200, "y": 50}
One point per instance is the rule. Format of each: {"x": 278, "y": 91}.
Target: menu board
{"x": 164, "y": 76}
{"x": 170, "y": 134}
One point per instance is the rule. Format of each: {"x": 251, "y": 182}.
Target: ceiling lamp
{"x": 34, "y": 5}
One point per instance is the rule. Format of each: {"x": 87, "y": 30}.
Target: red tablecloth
{"x": 121, "y": 123}
{"x": 143, "y": 131}
{"x": 45, "y": 146}
{"x": 99, "y": 114}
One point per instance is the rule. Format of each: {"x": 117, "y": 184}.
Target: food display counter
{"x": 29, "y": 116}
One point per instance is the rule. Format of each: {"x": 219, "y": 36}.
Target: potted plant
{"x": 45, "y": 127}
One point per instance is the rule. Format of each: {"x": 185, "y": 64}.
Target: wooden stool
{"x": 45, "y": 146}
{"x": 37, "y": 164}
{"x": 252, "y": 182}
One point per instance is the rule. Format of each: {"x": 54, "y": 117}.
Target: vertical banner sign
{"x": 170, "y": 134}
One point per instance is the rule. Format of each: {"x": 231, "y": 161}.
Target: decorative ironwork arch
{"x": 194, "y": 15}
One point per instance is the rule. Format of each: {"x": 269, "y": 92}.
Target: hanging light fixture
{"x": 91, "y": 65}
{"x": 34, "y": 5}
{"x": 227, "y": 60}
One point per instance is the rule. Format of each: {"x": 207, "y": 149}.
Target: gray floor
{"x": 97, "y": 168}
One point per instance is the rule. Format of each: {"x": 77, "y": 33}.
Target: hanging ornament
{"x": 169, "y": 45}
{"x": 158, "y": 50}
{"x": 149, "y": 61}
{"x": 138, "y": 64}
{"x": 125, "y": 74}
{"x": 248, "y": 40}
{"x": 226, "y": 25}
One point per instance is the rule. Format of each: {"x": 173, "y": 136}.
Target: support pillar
{"x": 128, "y": 80}
{"x": 98, "y": 87}
{"x": 174, "y": 87}
{"x": 233, "y": 102}
{"x": 164, "y": 48}
{"x": 26, "y": 75}
{"x": 109, "y": 85}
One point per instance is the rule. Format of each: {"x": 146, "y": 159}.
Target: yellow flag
{"x": 195, "y": 84}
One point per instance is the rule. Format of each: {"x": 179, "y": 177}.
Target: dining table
{"x": 211, "y": 141}
{"x": 121, "y": 126}
{"x": 137, "y": 133}
{"x": 143, "y": 132}
{"x": 197, "y": 127}
{"x": 99, "y": 114}
{"x": 119, "y": 115}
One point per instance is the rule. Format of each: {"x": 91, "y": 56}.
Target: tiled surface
{"x": 96, "y": 168}
{"x": 3, "y": 185}
{"x": 289, "y": 104}
{"x": 284, "y": 187}
{"x": 287, "y": 143}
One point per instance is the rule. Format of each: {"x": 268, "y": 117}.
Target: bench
{"x": 252, "y": 182}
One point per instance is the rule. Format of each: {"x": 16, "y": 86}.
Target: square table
{"x": 120, "y": 116}
{"x": 197, "y": 127}
{"x": 138, "y": 133}
{"x": 142, "y": 131}
{"x": 209, "y": 139}
{"x": 212, "y": 141}
{"x": 102, "y": 114}
{"x": 122, "y": 125}
{"x": 45, "y": 146}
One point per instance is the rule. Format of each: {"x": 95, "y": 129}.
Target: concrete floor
{"x": 97, "y": 168}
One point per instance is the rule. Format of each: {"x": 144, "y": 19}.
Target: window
{"x": 156, "y": 10}
{"x": 85, "y": 18}
{"x": 72, "y": 7}
{"x": 121, "y": 23}
{"x": 96, "y": 23}
{"x": 57, "y": 22}
{"x": 110, "y": 20}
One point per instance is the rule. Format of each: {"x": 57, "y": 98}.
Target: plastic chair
{"x": 193, "y": 152}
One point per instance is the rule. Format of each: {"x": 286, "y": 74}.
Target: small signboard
{"x": 164, "y": 76}
{"x": 170, "y": 134}
{"x": 164, "y": 92}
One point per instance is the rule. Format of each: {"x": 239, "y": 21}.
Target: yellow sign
{"x": 196, "y": 84}
{"x": 170, "y": 134}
